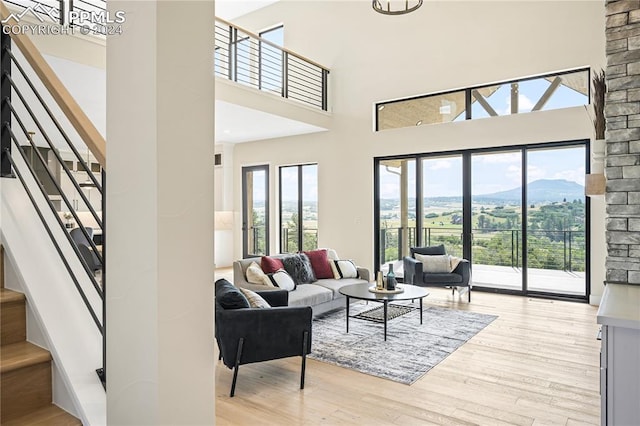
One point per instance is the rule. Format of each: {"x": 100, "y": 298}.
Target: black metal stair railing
{"x": 17, "y": 115}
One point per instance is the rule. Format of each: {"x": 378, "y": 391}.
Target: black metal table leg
{"x": 347, "y": 313}
{"x": 385, "y": 320}
{"x": 421, "y": 310}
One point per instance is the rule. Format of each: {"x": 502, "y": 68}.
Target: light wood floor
{"x": 537, "y": 364}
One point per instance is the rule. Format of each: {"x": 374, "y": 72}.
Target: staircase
{"x": 25, "y": 370}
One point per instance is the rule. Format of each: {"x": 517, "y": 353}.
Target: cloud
{"x": 440, "y": 164}
{"x": 535, "y": 173}
{"x": 575, "y": 175}
{"x": 510, "y": 157}
{"x": 524, "y": 104}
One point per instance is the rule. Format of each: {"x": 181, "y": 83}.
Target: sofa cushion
{"x": 344, "y": 269}
{"x": 440, "y": 263}
{"x": 310, "y": 295}
{"x": 229, "y": 296}
{"x": 449, "y": 278}
{"x": 320, "y": 263}
{"x": 255, "y": 300}
{"x": 281, "y": 279}
{"x": 299, "y": 267}
{"x": 335, "y": 285}
{"x": 431, "y": 250}
{"x": 270, "y": 264}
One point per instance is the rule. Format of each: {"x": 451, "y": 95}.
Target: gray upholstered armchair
{"x": 414, "y": 272}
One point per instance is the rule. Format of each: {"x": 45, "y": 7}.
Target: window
{"x": 298, "y": 208}
{"x": 271, "y": 60}
{"x": 542, "y": 93}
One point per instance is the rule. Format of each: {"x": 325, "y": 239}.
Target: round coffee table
{"x": 361, "y": 292}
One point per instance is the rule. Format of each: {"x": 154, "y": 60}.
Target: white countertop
{"x": 620, "y": 306}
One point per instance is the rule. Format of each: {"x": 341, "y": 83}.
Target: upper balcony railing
{"x": 246, "y": 58}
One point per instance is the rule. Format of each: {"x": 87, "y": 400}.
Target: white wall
{"x": 442, "y": 46}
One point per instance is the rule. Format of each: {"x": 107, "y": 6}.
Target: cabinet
{"x": 619, "y": 315}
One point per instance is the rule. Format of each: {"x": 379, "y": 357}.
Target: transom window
{"x": 552, "y": 91}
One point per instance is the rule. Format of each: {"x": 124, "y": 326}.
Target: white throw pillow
{"x": 344, "y": 269}
{"x": 255, "y": 275}
{"x": 281, "y": 279}
{"x": 255, "y": 300}
{"x": 455, "y": 261}
{"x": 434, "y": 264}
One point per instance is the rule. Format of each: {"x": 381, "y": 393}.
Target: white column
{"x": 160, "y": 119}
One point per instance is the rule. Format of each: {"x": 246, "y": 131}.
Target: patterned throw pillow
{"x": 344, "y": 269}
{"x": 255, "y": 300}
{"x": 299, "y": 267}
{"x": 281, "y": 279}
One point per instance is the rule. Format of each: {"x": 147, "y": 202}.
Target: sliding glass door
{"x": 442, "y": 203}
{"x": 518, "y": 214}
{"x": 496, "y": 219}
{"x": 556, "y": 220}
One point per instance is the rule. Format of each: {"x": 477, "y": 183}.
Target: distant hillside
{"x": 539, "y": 191}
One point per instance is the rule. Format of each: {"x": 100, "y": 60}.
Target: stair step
{"x": 7, "y": 296}
{"x": 13, "y": 327}
{"x": 25, "y": 380}
{"x": 21, "y": 355}
{"x": 47, "y": 416}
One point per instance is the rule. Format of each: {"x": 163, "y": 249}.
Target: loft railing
{"x": 249, "y": 59}
{"x": 25, "y": 109}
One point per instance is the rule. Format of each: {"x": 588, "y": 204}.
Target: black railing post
{"x": 400, "y": 242}
{"x": 383, "y": 245}
{"x": 5, "y": 119}
{"x": 285, "y": 74}
{"x": 234, "y": 53}
{"x": 325, "y": 83}
{"x": 102, "y": 372}
{"x": 570, "y": 251}
{"x": 512, "y": 247}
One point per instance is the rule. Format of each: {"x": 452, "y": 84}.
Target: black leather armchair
{"x": 414, "y": 274}
{"x": 250, "y": 335}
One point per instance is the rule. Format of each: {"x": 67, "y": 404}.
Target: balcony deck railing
{"x": 557, "y": 250}
{"x": 249, "y": 59}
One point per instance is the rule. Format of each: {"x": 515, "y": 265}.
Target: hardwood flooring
{"x": 537, "y": 364}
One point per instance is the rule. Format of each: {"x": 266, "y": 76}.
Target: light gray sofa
{"x": 322, "y": 295}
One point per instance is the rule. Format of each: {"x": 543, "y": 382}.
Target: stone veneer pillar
{"x": 622, "y": 162}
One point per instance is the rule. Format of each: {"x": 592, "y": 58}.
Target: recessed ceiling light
{"x": 419, "y": 122}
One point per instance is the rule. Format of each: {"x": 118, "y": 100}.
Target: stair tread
{"x": 22, "y": 354}
{"x": 50, "y": 415}
{"x": 8, "y": 296}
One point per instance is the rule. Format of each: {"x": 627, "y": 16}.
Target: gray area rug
{"x": 411, "y": 349}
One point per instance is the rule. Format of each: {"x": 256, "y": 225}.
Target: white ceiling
{"x": 231, "y": 9}
{"x": 235, "y": 123}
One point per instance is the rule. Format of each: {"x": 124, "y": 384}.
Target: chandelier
{"x": 395, "y": 7}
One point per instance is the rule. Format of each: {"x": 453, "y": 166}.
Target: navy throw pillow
{"x": 229, "y": 296}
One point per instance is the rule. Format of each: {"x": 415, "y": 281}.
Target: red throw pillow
{"x": 320, "y": 263}
{"x": 270, "y": 265}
